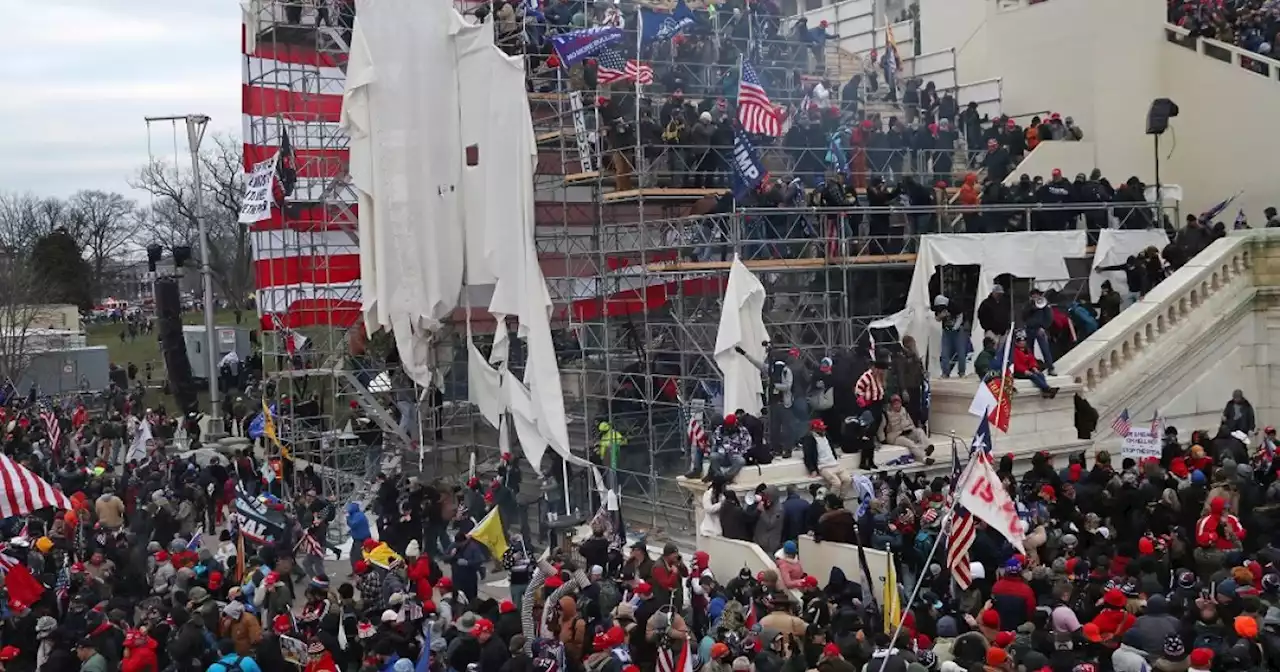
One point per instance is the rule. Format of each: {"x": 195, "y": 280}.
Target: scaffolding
{"x": 634, "y": 235}
{"x": 324, "y": 378}
{"x": 637, "y": 253}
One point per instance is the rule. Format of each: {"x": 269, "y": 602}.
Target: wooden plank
{"x": 659, "y": 193}
{"x": 578, "y": 178}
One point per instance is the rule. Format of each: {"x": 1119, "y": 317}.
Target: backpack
{"x": 233, "y": 666}
{"x": 675, "y": 128}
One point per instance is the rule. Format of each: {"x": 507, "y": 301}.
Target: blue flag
{"x": 748, "y": 170}
{"x": 659, "y": 26}
{"x": 576, "y": 46}
{"x": 257, "y": 426}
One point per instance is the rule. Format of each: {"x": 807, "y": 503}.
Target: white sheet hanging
{"x": 741, "y": 325}
{"x": 404, "y": 98}
{"x": 1023, "y": 254}
{"x": 484, "y": 385}
{"x": 1114, "y": 247}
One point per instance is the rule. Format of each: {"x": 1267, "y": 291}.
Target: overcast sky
{"x": 80, "y": 75}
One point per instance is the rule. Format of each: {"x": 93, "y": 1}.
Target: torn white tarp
{"x": 741, "y": 326}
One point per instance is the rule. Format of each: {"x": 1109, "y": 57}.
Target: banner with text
{"x": 1141, "y": 443}
{"x": 258, "y": 198}
{"x": 584, "y": 133}
{"x": 982, "y": 493}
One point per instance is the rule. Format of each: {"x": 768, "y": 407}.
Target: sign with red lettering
{"x": 982, "y": 493}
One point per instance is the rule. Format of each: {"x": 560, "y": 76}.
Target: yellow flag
{"x": 269, "y": 429}
{"x": 490, "y": 533}
{"x": 382, "y": 556}
{"x": 892, "y": 600}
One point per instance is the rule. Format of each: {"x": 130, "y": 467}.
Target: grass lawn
{"x": 145, "y": 349}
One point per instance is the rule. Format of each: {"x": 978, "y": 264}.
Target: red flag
{"x": 750, "y": 621}
{"x": 22, "y": 586}
{"x": 1002, "y": 390}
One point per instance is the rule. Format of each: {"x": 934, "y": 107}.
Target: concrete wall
{"x": 818, "y": 559}
{"x": 1098, "y": 61}
{"x": 1069, "y": 157}
{"x": 729, "y": 556}
{"x": 1223, "y": 140}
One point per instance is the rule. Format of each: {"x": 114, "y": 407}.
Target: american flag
{"x": 669, "y": 661}
{"x": 697, "y": 434}
{"x": 62, "y": 587}
{"x": 755, "y": 110}
{"x": 51, "y": 426}
{"x": 612, "y": 67}
{"x": 1122, "y": 424}
{"x": 309, "y": 545}
{"x": 24, "y": 492}
{"x": 963, "y": 526}
{"x": 7, "y": 562}
{"x": 1155, "y": 423}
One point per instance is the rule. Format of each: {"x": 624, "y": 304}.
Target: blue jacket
{"x": 357, "y": 522}
{"x": 228, "y": 664}
{"x": 794, "y": 510}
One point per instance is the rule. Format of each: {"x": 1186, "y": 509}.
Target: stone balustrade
{"x": 1181, "y": 309}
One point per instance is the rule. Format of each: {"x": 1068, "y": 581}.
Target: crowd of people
{"x": 1249, "y": 24}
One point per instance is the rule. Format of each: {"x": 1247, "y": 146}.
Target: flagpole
{"x": 915, "y": 592}
{"x": 636, "y": 169}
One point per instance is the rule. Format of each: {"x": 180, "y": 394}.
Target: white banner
{"x": 982, "y": 493}
{"x": 586, "y": 139}
{"x": 1141, "y": 443}
{"x": 256, "y": 205}
{"x": 139, "y": 449}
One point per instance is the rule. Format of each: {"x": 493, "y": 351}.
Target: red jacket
{"x": 1207, "y": 531}
{"x": 141, "y": 659}
{"x": 1008, "y": 591}
{"x": 665, "y": 577}
{"x": 1112, "y": 624}
{"x": 420, "y": 575}
{"x": 1024, "y": 361}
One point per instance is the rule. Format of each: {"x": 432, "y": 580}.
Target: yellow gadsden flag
{"x": 490, "y": 533}
{"x": 892, "y": 600}
{"x": 269, "y": 429}
{"x": 382, "y": 555}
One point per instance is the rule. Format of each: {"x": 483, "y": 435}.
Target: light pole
{"x": 196, "y": 126}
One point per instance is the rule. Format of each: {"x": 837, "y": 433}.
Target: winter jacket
{"x": 1151, "y": 629}
{"x": 836, "y": 525}
{"x": 768, "y": 529}
{"x": 1014, "y": 600}
{"x": 141, "y": 658}
{"x": 245, "y": 632}
{"x": 357, "y": 522}
{"x": 710, "y": 523}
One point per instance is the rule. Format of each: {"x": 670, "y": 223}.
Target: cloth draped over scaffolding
{"x": 421, "y": 248}
{"x": 742, "y": 326}
{"x": 1040, "y": 256}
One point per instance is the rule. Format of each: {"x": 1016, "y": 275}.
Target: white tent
{"x": 1114, "y": 247}
{"x": 1038, "y": 255}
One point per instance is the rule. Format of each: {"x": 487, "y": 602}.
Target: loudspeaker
{"x": 172, "y": 347}
{"x": 1162, "y": 109}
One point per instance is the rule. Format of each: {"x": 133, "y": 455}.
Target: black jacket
{"x": 996, "y": 315}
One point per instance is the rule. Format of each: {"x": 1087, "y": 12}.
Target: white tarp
{"x": 401, "y": 106}
{"x": 1023, "y": 254}
{"x": 1114, "y": 247}
{"x": 741, "y": 326}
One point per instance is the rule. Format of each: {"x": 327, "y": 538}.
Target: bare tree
{"x": 20, "y": 301}
{"x": 172, "y": 219}
{"x": 26, "y": 217}
{"x": 103, "y": 223}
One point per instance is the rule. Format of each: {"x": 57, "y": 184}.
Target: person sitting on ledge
{"x": 898, "y": 429}
{"x": 1026, "y": 367}
{"x": 730, "y": 444}
{"x": 820, "y": 458}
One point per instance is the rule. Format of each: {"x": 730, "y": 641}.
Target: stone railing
{"x": 1227, "y": 53}
{"x": 1188, "y": 304}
